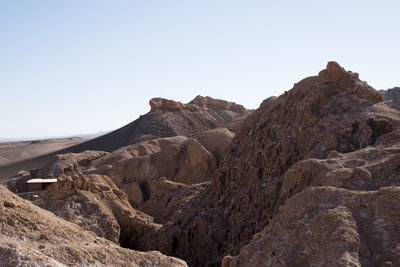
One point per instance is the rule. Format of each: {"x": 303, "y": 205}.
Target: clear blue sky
{"x": 72, "y": 67}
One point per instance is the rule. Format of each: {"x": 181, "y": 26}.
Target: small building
{"x": 38, "y": 184}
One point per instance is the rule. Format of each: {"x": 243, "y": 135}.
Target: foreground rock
{"x": 311, "y": 178}
{"x": 327, "y": 226}
{"x": 102, "y": 192}
{"x": 96, "y": 204}
{"x": 136, "y": 169}
{"x": 333, "y": 112}
{"x": 30, "y": 236}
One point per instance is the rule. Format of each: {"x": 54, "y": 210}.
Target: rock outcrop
{"x": 99, "y": 191}
{"x": 268, "y": 100}
{"x": 132, "y": 168}
{"x": 328, "y": 226}
{"x": 199, "y": 103}
{"x": 30, "y": 236}
{"x": 166, "y": 119}
{"x": 64, "y": 164}
{"x": 96, "y": 204}
{"x": 310, "y": 178}
{"x": 392, "y": 97}
{"x": 333, "y": 111}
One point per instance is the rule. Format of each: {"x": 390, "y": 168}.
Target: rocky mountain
{"x": 30, "y": 236}
{"x": 167, "y": 118}
{"x": 103, "y": 192}
{"x": 330, "y": 114}
{"x": 310, "y": 178}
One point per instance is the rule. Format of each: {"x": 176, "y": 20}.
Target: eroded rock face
{"x": 268, "y": 100}
{"x": 199, "y": 103}
{"x": 392, "y": 97}
{"x": 205, "y": 114}
{"x": 97, "y": 190}
{"x": 179, "y": 159}
{"x": 30, "y": 236}
{"x": 366, "y": 169}
{"x": 18, "y": 183}
{"x": 333, "y": 111}
{"x": 94, "y": 203}
{"x": 170, "y": 118}
{"x": 64, "y": 164}
{"x": 327, "y": 226}
{"x": 312, "y": 178}
{"x": 167, "y": 198}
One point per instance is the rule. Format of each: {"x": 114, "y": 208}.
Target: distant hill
{"x": 167, "y": 118}
{"x": 392, "y": 97}
{"x": 26, "y": 139}
{"x": 17, "y": 151}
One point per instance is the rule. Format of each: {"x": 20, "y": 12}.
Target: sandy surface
{"x": 24, "y": 155}
{"x": 16, "y": 151}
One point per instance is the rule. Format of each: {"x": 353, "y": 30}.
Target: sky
{"x": 72, "y": 67}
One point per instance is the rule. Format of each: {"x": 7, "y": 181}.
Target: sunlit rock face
{"x": 331, "y": 114}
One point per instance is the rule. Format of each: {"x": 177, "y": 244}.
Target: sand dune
{"x": 3, "y": 160}
{"x": 25, "y": 155}
{"x": 16, "y": 151}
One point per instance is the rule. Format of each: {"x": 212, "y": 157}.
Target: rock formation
{"x": 133, "y": 168}
{"x": 333, "y": 111}
{"x": 30, "y": 236}
{"x": 328, "y": 226}
{"x": 310, "y": 178}
{"x": 96, "y": 204}
{"x": 99, "y": 191}
{"x": 167, "y": 118}
{"x": 268, "y": 100}
{"x": 392, "y": 97}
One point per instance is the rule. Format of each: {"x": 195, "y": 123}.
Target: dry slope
{"x": 167, "y": 118}
{"x": 30, "y": 236}
{"x": 333, "y": 112}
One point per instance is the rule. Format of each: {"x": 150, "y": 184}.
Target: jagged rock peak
{"x": 391, "y": 93}
{"x": 268, "y": 100}
{"x": 336, "y": 76}
{"x": 199, "y": 103}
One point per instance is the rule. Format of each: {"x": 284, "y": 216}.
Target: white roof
{"x": 41, "y": 181}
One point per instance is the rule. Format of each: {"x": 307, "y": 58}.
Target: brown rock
{"x": 268, "y": 100}
{"x": 326, "y": 226}
{"x": 171, "y": 105}
{"x": 331, "y": 111}
{"x": 166, "y": 119}
{"x": 23, "y": 244}
{"x": 166, "y": 198}
{"x": 67, "y": 163}
{"x": 199, "y": 103}
{"x": 96, "y": 204}
{"x": 392, "y": 97}
{"x": 180, "y": 159}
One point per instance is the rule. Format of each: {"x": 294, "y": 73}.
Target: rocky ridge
{"x": 334, "y": 111}
{"x": 311, "y": 178}
{"x": 103, "y": 192}
{"x": 166, "y": 119}
{"x": 329, "y": 226}
{"x": 392, "y": 97}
